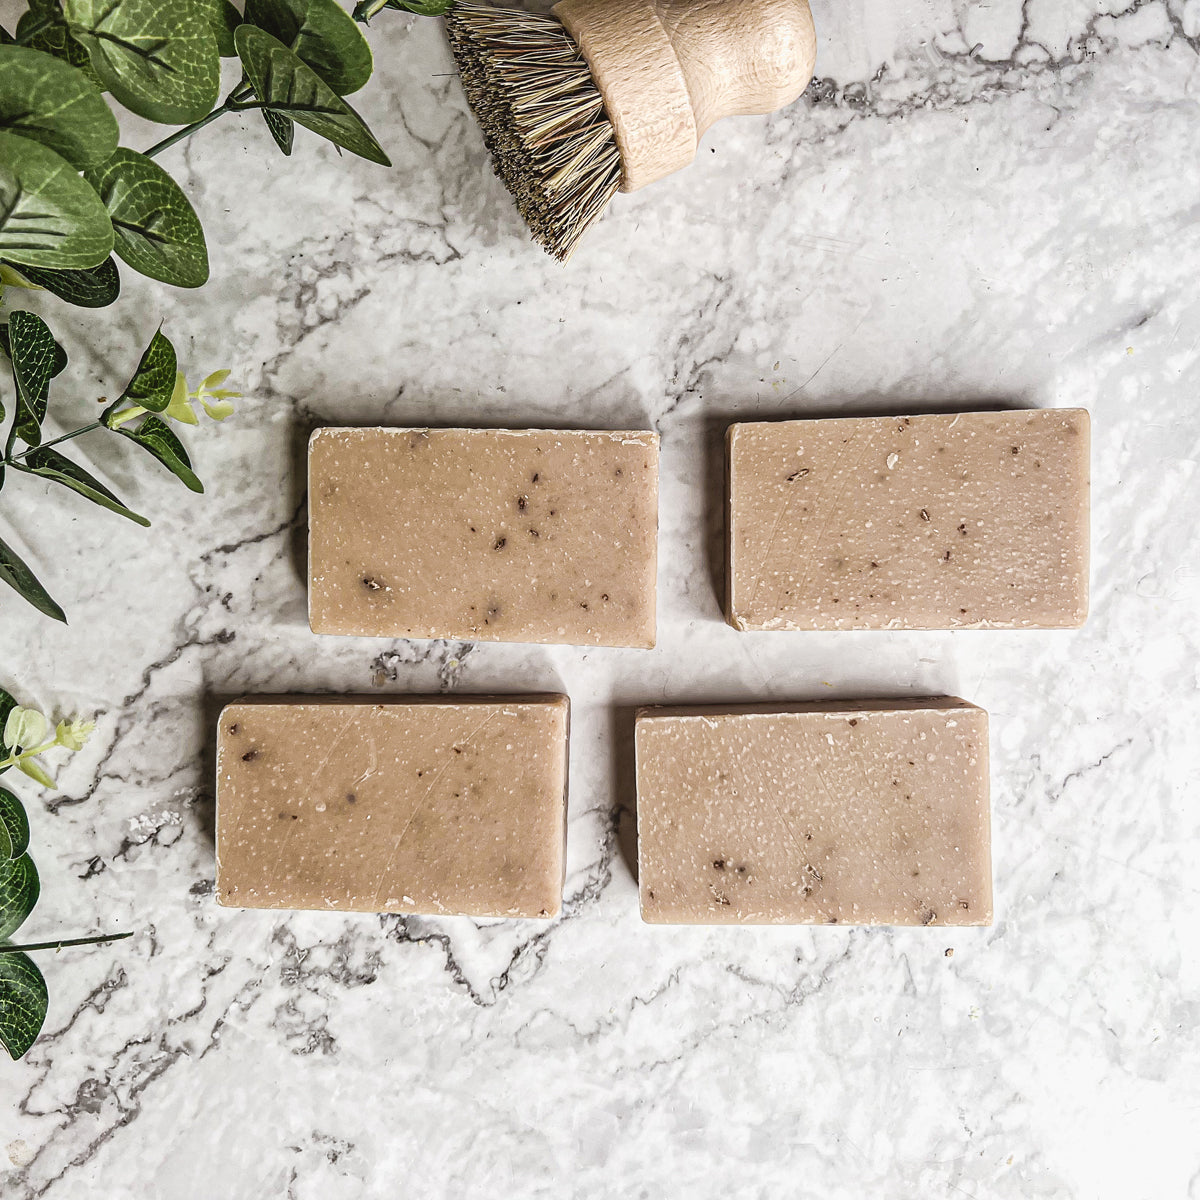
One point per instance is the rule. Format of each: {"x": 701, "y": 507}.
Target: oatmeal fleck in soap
{"x": 972, "y": 520}
{"x": 869, "y": 813}
{"x": 484, "y": 534}
{"x": 454, "y": 806}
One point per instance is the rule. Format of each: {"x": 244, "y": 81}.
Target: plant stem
{"x": 32, "y": 752}
{"x": 10, "y": 460}
{"x": 119, "y": 418}
{"x": 186, "y": 131}
{"x": 84, "y": 941}
{"x": 232, "y": 104}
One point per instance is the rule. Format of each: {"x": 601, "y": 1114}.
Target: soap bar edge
{"x": 1077, "y": 619}
{"x": 650, "y": 439}
{"x": 550, "y": 699}
{"x": 984, "y": 917}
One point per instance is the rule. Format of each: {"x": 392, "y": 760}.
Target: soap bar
{"x": 484, "y": 534}
{"x": 420, "y": 805}
{"x": 975, "y": 520}
{"x": 871, "y": 813}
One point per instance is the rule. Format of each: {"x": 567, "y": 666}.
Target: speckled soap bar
{"x": 484, "y": 534}
{"x": 871, "y": 813}
{"x": 434, "y": 805}
{"x": 928, "y": 522}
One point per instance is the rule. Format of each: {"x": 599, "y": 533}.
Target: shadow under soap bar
{"x": 454, "y": 806}
{"x": 950, "y": 520}
{"x": 484, "y": 534}
{"x": 869, "y": 813}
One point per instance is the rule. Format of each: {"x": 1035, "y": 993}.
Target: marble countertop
{"x": 977, "y": 204}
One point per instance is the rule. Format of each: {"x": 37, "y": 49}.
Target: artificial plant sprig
{"x": 70, "y": 197}
{"x": 25, "y": 737}
{"x": 25, "y": 741}
{"x": 157, "y": 386}
{"x": 73, "y": 201}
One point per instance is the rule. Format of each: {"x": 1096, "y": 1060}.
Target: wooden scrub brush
{"x": 607, "y": 95}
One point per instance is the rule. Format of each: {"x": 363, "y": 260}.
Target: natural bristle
{"x": 542, "y": 118}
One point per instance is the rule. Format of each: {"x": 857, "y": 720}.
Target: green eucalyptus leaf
{"x": 366, "y": 9}
{"x": 11, "y": 277}
{"x": 158, "y": 59}
{"x": 12, "y": 433}
{"x": 19, "y": 889}
{"x": 157, "y": 231}
{"x": 7, "y": 703}
{"x": 23, "y": 1002}
{"x": 155, "y": 436}
{"x": 52, "y": 103}
{"x": 14, "y": 826}
{"x": 320, "y": 33}
{"x": 97, "y": 287}
{"x": 17, "y": 574}
{"x": 25, "y": 728}
{"x": 287, "y": 85}
{"x": 49, "y": 464}
{"x": 54, "y": 38}
{"x": 34, "y": 353}
{"x": 223, "y": 19}
{"x": 283, "y": 129}
{"x": 49, "y": 216}
{"x": 153, "y": 381}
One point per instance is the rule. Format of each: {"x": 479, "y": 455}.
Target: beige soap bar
{"x": 928, "y": 522}
{"x": 434, "y": 805}
{"x": 872, "y": 813}
{"x": 484, "y": 534}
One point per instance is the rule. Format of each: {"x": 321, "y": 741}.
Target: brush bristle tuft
{"x": 542, "y": 118}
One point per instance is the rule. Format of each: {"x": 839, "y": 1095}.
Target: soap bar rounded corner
{"x": 230, "y": 717}
{"x": 647, "y": 641}
{"x": 319, "y": 434}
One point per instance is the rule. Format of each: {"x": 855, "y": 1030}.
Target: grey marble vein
{"x": 975, "y": 204}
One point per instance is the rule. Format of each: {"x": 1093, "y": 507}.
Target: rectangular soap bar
{"x": 928, "y": 522}
{"x": 484, "y": 534}
{"x": 872, "y": 813}
{"x": 420, "y": 805}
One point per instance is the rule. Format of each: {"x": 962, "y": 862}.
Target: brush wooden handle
{"x": 667, "y": 69}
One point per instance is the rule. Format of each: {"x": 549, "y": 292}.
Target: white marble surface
{"x": 990, "y": 203}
